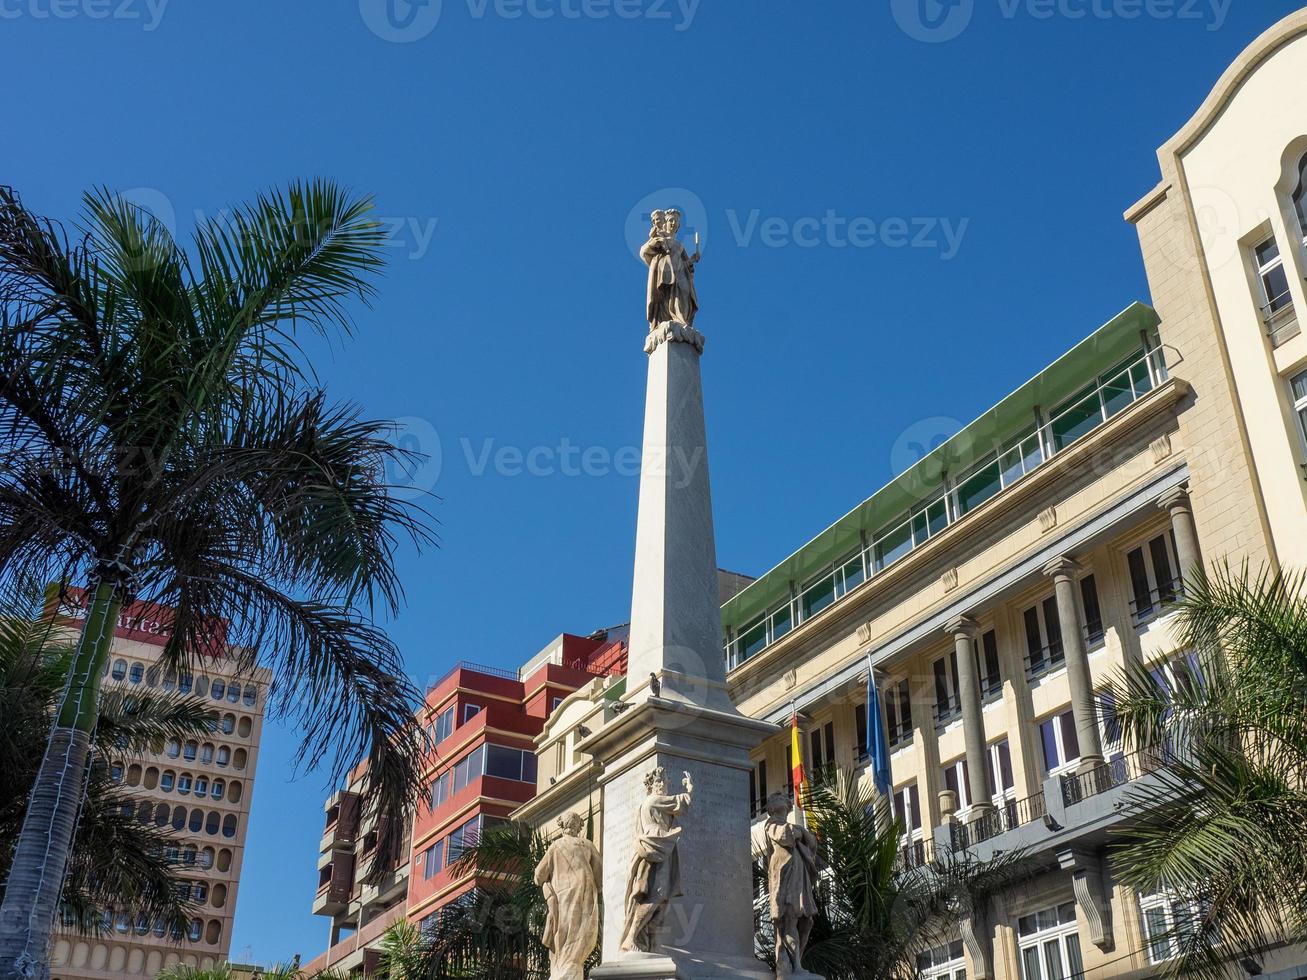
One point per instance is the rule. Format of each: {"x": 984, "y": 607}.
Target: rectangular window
{"x": 907, "y": 808}
{"x": 1299, "y": 388}
{"x": 898, "y": 713}
{"x": 1153, "y": 580}
{"x": 1044, "y": 651}
{"x": 1169, "y": 921}
{"x": 893, "y": 544}
{"x": 469, "y": 768}
{"x": 462, "y": 838}
{"x": 957, "y": 777}
{"x": 758, "y": 787}
{"x": 1274, "y": 280}
{"x": 554, "y": 702}
{"x": 1061, "y": 744}
{"x": 1093, "y": 613}
{"x": 821, "y": 747}
{"x": 506, "y": 763}
{"x": 1079, "y": 416}
{"x": 440, "y": 789}
{"x": 1048, "y": 944}
{"x": 817, "y": 596}
{"x": 979, "y": 487}
{"x": 947, "y": 705}
{"x": 860, "y": 730}
{"x": 433, "y": 860}
{"x": 443, "y": 726}
{"x": 1001, "y": 783}
{"x": 991, "y": 680}
{"x": 943, "y": 963}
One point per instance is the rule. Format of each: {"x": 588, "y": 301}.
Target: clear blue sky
{"x": 511, "y": 150}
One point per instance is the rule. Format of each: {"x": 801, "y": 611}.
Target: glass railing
{"x": 1023, "y": 454}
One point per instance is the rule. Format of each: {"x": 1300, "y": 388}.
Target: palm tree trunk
{"x": 45, "y": 842}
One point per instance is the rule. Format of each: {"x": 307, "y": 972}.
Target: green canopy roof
{"x": 1105, "y": 348}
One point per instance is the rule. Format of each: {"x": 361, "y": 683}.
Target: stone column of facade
{"x": 1187, "y": 555}
{"x": 1065, "y": 574}
{"x": 964, "y": 631}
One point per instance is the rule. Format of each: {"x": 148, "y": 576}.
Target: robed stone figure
{"x": 671, "y": 296}
{"x": 570, "y": 874}
{"x": 792, "y": 861}
{"x": 655, "y": 877}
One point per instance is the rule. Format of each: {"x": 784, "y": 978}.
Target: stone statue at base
{"x": 671, "y": 297}
{"x": 792, "y": 861}
{"x": 655, "y": 877}
{"x": 571, "y": 874}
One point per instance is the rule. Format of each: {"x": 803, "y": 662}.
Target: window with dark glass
{"x": 821, "y": 747}
{"x": 1093, "y": 612}
{"x": 987, "y": 670}
{"x": 1061, "y": 744}
{"x": 945, "y": 672}
{"x": 1153, "y": 579}
{"x": 1273, "y": 278}
{"x": 1043, "y": 627}
{"x": 898, "y": 714}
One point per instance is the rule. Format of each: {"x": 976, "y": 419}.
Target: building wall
{"x": 212, "y": 856}
{"x": 1226, "y": 181}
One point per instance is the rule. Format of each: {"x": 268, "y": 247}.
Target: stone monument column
{"x": 676, "y": 859}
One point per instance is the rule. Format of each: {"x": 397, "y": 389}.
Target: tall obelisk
{"x": 677, "y": 877}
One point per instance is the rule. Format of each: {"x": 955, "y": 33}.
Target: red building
{"x": 483, "y": 722}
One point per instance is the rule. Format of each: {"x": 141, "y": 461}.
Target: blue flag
{"x": 877, "y": 745}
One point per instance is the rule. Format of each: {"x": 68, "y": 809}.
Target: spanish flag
{"x": 797, "y": 779}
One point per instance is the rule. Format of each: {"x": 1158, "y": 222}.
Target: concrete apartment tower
{"x": 679, "y": 715}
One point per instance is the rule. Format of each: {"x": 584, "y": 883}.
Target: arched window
{"x": 116, "y": 772}
{"x": 142, "y": 925}
{"x": 201, "y": 686}
{"x": 234, "y": 692}
{"x": 199, "y": 892}
{"x": 213, "y": 823}
{"x": 184, "y": 783}
{"x": 206, "y": 753}
{"x": 152, "y": 677}
{"x": 179, "y": 818}
{"x": 1300, "y": 197}
{"x": 195, "y": 931}
{"x": 119, "y": 669}
{"x": 249, "y": 695}
{"x": 197, "y": 821}
{"x": 160, "y": 929}
{"x": 218, "y": 787}
{"x": 173, "y": 748}
{"x": 167, "y": 781}
{"x": 188, "y": 856}
{"x": 162, "y": 813}
{"x": 192, "y": 749}
{"x": 218, "y": 689}
{"x": 206, "y": 858}
{"x": 201, "y": 785}
{"x": 185, "y": 683}
{"x": 224, "y": 755}
{"x": 170, "y": 681}
{"x": 136, "y": 673}
{"x": 229, "y": 825}
{"x": 228, "y": 724}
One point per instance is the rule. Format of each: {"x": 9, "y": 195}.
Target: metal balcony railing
{"x": 1144, "y": 607}
{"x": 1117, "y": 771}
{"x": 1045, "y": 660}
{"x": 1004, "y": 817}
{"x": 947, "y": 710}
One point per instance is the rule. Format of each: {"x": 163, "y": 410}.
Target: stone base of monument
{"x": 680, "y": 965}
{"x": 707, "y": 931}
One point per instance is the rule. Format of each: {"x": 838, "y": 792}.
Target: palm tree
{"x": 405, "y": 952}
{"x": 118, "y": 861}
{"x": 162, "y": 437}
{"x": 874, "y": 914}
{"x": 493, "y": 932}
{"x": 1219, "y": 822}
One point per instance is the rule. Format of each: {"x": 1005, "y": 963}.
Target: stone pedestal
{"x": 708, "y": 932}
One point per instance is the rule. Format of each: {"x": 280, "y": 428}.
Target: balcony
{"x": 1045, "y": 660}
{"x": 994, "y": 822}
{"x": 1155, "y": 602}
{"x": 1114, "y": 773}
{"x": 1281, "y": 319}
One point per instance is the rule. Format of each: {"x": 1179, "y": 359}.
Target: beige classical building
{"x": 200, "y": 790}
{"x": 999, "y": 584}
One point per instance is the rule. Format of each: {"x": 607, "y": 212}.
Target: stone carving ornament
{"x": 655, "y": 876}
{"x": 570, "y": 873}
{"x": 792, "y": 860}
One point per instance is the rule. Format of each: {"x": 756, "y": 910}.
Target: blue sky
{"x": 907, "y": 212}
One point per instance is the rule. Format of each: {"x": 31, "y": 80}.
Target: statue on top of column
{"x": 671, "y": 296}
